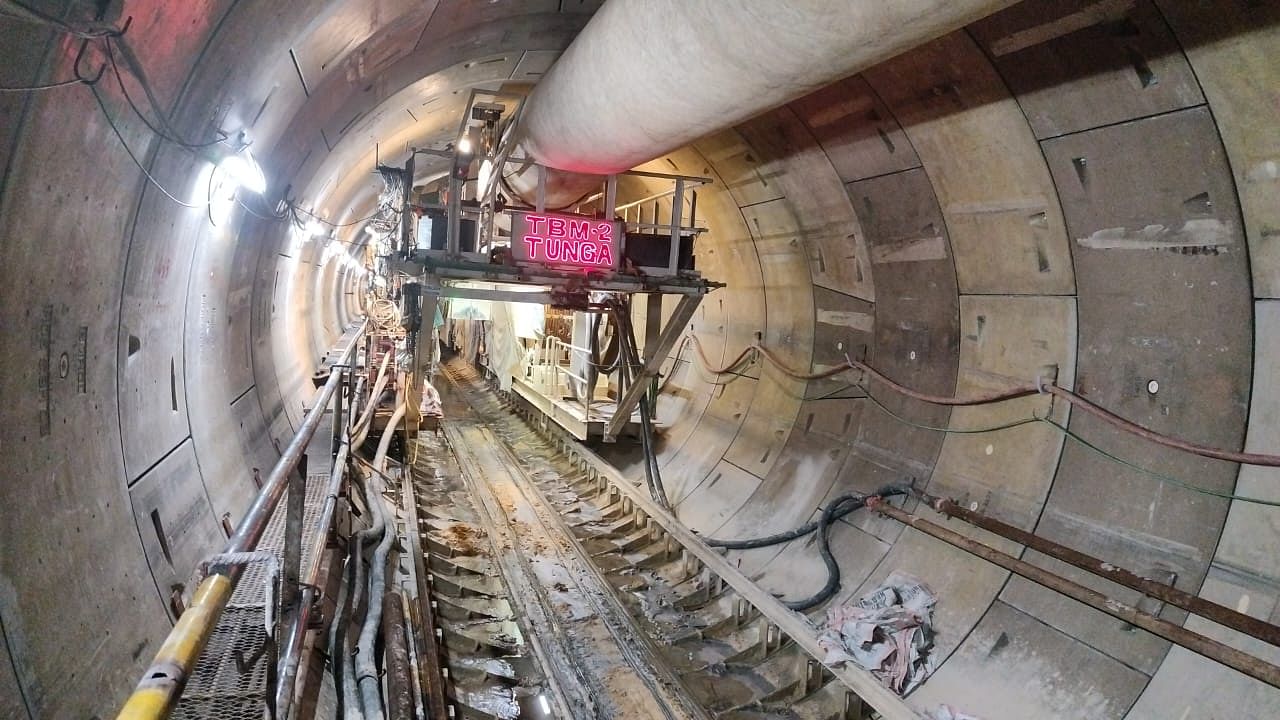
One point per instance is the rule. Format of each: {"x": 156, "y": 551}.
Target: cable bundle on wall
{"x": 384, "y": 314}
{"x": 1040, "y": 387}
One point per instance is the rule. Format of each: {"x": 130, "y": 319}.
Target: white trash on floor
{"x": 946, "y": 712}
{"x": 888, "y": 632}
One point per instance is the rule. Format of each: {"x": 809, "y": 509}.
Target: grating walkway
{"x": 231, "y": 678}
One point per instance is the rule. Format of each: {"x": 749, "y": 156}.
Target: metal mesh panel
{"x": 229, "y": 682}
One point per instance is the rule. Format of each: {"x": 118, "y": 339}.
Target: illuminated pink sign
{"x": 552, "y": 239}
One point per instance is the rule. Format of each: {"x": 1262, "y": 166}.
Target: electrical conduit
{"x": 365, "y": 663}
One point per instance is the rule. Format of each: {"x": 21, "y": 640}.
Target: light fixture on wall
{"x": 241, "y": 169}
{"x": 231, "y": 167}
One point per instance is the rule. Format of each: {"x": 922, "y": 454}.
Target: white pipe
{"x": 646, "y": 77}
{"x": 366, "y": 417}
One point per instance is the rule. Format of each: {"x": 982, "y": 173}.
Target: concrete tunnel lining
{"x": 931, "y": 211}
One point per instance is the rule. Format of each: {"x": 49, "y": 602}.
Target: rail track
{"x": 549, "y": 562}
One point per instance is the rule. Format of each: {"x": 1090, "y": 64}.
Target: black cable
{"x": 612, "y": 358}
{"x": 111, "y": 57}
{"x": 33, "y": 15}
{"x": 789, "y": 535}
{"x": 839, "y": 507}
{"x": 103, "y": 107}
{"x": 835, "y": 510}
{"x": 322, "y": 221}
{"x": 675, "y": 364}
{"x": 260, "y": 216}
{"x": 652, "y": 474}
{"x": 651, "y": 454}
{"x": 48, "y": 86}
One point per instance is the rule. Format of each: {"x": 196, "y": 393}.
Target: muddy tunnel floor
{"x": 555, "y": 596}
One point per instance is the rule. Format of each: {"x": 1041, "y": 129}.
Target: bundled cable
{"x": 833, "y": 511}
{"x": 22, "y": 11}
{"x": 384, "y": 314}
{"x": 1039, "y": 387}
{"x": 653, "y": 476}
{"x": 611, "y": 359}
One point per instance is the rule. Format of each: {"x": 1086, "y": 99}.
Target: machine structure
{"x": 476, "y": 238}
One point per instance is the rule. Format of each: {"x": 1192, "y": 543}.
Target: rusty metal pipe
{"x": 1254, "y": 667}
{"x": 255, "y": 520}
{"x": 366, "y": 670}
{"x": 1220, "y": 614}
{"x": 400, "y": 705}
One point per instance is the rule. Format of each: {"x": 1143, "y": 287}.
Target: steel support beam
{"x": 649, "y": 369}
{"x": 1221, "y": 614}
{"x": 541, "y": 298}
{"x": 1250, "y": 665}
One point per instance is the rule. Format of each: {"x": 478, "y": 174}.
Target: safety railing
{"x": 163, "y": 681}
{"x": 549, "y": 357}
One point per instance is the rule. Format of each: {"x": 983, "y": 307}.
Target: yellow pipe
{"x": 161, "y": 684}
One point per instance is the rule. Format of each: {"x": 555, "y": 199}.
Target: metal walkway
{"x": 231, "y": 680}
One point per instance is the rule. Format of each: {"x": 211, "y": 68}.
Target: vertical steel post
{"x": 406, "y": 217}
{"x": 610, "y": 197}
{"x": 292, "y": 569}
{"x": 337, "y": 410}
{"x": 677, "y": 209}
{"x": 453, "y": 241}
{"x": 652, "y": 324}
{"x": 353, "y": 384}
{"x": 541, "y": 204}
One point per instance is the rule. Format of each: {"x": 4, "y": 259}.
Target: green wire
{"x": 1158, "y": 476}
{"x": 47, "y": 86}
{"x": 1060, "y": 428}
{"x": 1068, "y": 433}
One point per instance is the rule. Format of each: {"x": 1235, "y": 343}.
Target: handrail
{"x": 162, "y": 682}
{"x": 291, "y": 648}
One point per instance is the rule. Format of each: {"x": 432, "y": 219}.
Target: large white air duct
{"x": 649, "y": 76}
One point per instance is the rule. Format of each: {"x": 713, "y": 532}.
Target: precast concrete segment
{"x": 1232, "y": 51}
{"x": 644, "y": 78}
{"x": 1243, "y": 569}
{"x": 996, "y": 195}
{"x": 69, "y": 181}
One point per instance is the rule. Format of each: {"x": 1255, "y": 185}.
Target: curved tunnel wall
{"x": 1033, "y": 191}
{"x": 960, "y": 216}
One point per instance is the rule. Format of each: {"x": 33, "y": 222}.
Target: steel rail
{"x": 161, "y": 685}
